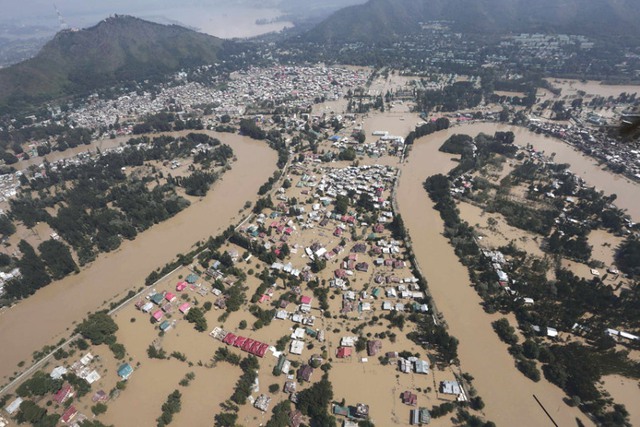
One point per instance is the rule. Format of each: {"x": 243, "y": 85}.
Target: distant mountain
{"x": 119, "y": 48}
{"x": 383, "y": 20}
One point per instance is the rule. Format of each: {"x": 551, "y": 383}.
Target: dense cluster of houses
{"x": 289, "y": 87}
{"x": 161, "y": 304}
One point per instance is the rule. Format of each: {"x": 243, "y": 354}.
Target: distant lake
{"x": 225, "y": 22}
{"x": 218, "y": 19}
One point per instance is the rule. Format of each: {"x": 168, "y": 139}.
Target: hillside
{"x": 117, "y": 49}
{"x": 383, "y": 20}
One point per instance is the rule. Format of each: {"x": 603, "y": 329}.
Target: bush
{"x": 274, "y": 388}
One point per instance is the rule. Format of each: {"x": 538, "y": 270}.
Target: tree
{"x": 348, "y": 154}
{"x": 6, "y": 226}
{"x": 98, "y": 328}
{"x": 196, "y": 316}
{"x": 315, "y": 400}
{"x": 342, "y": 204}
{"x": 9, "y": 158}
{"x": 58, "y": 258}
{"x": 92, "y": 423}
{"x": 628, "y": 256}
{"x": 30, "y": 413}
{"x": 531, "y": 349}
{"x": 99, "y": 408}
{"x": 38, "y": 385}
{"x": 505, "y": 331}
{"x": 34, "y": 273}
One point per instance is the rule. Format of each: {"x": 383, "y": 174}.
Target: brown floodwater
{"x": 508, "y": 394}
{"x": 48, "y": 316}
{"x": 625, "y": 391}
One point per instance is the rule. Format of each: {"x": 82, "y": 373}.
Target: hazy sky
{"x": 29, "y": 9}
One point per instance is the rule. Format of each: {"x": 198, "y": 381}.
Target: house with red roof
{"x": 170, "y": 296}
{"x": 262, "y": 350}
{"x": 184, "y": 308}
{"x": 229, "y": 339}
{"x": 344, "y": 352}
{"x": 63, "y": 394}
{"x": 409, "y": 398}
{"x": 305, "y": 299}
{"x": 264, "y": 298}
{"x": 157, "y": 316}
{"x": 248, "y": 344}
{"x": 181, "y": 286}
{"x": 255, "y": 347}
{"x": 69, "y": 414}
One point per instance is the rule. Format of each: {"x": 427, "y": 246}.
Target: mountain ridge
{"x": 116, "y": 49}
{"x": 385, "y": 20}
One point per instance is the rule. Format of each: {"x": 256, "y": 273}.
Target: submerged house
{"x": 124, "y": 371}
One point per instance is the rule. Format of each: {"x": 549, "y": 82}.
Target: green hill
{"x": 119, "y": 48}
{"x": 383, "y": 20}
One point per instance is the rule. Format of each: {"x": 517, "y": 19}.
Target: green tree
{"x": 34, "y": 273}
{"x": 196, "y": 316}
{"x": 98, "y": 328}
{"x": 99, "y": 408}
{"x": 58, "y": 258}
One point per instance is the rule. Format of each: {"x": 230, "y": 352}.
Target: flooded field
{"x": 507, "y": 393}
{"x": 590, "y": 87}
{"x": 49, "y": 315}
{"x": 498, "y": 234}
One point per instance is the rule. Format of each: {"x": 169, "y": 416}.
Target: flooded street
{"x": 507, "y": 392}
{"x": 48, "y": 316}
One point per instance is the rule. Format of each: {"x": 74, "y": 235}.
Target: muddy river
{"x": 48, "y": 316}
{"x": 508, "y": 393}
